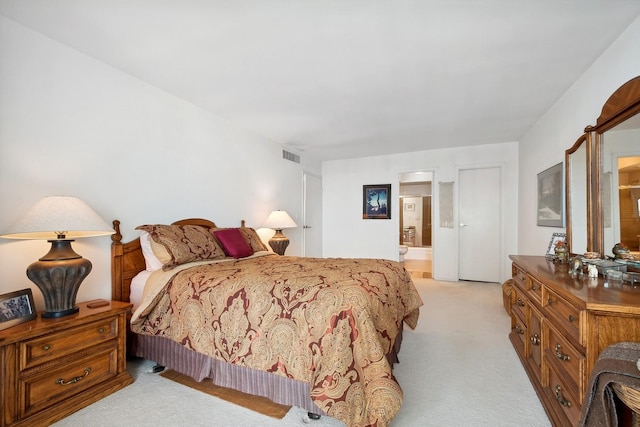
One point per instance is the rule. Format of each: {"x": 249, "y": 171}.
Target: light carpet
{"x": 153, "y": 400}
{"x": 458, "y": 368}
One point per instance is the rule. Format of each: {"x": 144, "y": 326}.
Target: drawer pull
{"x": 561, "y": 398}
{"x": 549, "y": 301}
{"x": 572, "y": 319}
{"x": 561, "y": 355}
{"x": 46, "y": 347}
{"x": 533, "y": 287}
{"x": 101, "y": 330}
{"x": 520, "y": 302}
{"x": 75, "y": 379}
{"x": 535, "y": 339}
{"x": 519, "y": 330}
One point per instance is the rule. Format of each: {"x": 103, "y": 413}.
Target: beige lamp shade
{"x": 58, "y": 217}
{"x": 60, "y": 272}
{"x": 278, "y": 220}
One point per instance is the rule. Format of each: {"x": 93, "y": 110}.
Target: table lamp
{"x": 59, "y": 220}
{"x": 279, "y": 220}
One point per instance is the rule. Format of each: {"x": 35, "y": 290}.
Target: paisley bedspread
{"x": 326, "y": 321}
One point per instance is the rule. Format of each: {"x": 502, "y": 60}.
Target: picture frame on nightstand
{"x": 16, "y": 307}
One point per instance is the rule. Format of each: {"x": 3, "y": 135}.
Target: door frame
{"x": 434, "y": 215}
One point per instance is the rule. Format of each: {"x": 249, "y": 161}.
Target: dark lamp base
{"x": 59, "y": 278}
{"x": 61, "y": 313}
{"x": 279, "y": 242}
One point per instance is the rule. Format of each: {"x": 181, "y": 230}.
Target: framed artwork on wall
{"x": 376, "y": 201}
{"x": 16, "y": 307}
{"x": 551, "y": 197}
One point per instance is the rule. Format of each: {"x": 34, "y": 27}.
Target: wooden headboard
{"x": 127, "y": 259}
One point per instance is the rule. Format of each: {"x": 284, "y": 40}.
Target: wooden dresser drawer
{"x": 520, "y": 331}
{"x": 52, "y": 386}
{"x": 534, "y": 289}
{"x": 563, "y": 401}
{"x": 519, "y": 276}
{"x": 520, "y": 303}
{"x": 567, "y": 316}
{"x": 568, "y": 361}
{"x": 49, "y": 347}
{"x": 534, "y": 355}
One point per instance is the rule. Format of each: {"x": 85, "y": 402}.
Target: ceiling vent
{"x": 290, "y": 156}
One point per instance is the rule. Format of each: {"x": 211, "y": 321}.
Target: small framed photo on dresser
{"x": 16, "y": 307}
{"x": 555, "y": 238}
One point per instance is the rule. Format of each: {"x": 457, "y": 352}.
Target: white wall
{"x": 544, "y": 145}
{"x": 70, "y": 125}
{"x": 346, "y": 234}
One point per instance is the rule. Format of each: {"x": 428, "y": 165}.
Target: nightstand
{"x": 50, "y": 368}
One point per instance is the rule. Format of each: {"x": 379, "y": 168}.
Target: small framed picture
{"x": 555, "y": 238}
{"x": 376, "y": 201}
{"x": 16, "y": 307}
{"x": 409, "y": 206}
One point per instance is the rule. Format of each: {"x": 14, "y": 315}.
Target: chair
{"x": 631, "y": 398}
{"x": 615, "y": 378}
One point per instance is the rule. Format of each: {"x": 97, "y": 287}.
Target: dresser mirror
{"x": 576, "y": 183}
{"x": 616, "y": 169}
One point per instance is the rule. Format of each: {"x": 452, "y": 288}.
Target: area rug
{"x": 255, "y": 403}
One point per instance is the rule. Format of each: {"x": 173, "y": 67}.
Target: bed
{"x": 318, "y": 333}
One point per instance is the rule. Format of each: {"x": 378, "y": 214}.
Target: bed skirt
{"x": 285, "y": 391}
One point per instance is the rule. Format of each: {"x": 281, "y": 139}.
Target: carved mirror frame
{"x": 623, "y": 104}
{"x": 578, "y": 198}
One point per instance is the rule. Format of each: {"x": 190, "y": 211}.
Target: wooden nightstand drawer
{"x": 52, "y": 367}
{"x": 53, "y": 346}
{"x": 48, "y": 388}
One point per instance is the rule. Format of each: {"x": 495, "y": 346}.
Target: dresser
{"x": 51, "y": 368}
{"x": 559, "y": 325}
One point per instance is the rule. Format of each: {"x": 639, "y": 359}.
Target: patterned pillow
{"x": 180, "y": 244}
{"x": 254, "y": 240}
{"x": 233, "y": 242}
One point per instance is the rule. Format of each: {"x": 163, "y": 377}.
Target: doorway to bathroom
{"x": 415, "y": 228}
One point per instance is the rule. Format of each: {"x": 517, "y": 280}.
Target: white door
{"x": 479, "y": 236}
{"x": 312, "y": 216}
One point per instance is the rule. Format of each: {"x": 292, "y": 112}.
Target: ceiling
{"x": 348, "y": 78}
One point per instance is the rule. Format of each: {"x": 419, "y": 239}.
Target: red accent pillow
{"x": 233, "y": 243}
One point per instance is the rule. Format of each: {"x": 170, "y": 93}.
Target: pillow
{"x": 174, "y": 245}
{"x": 252, "y": 237}
{"x": 150, "y": 258}
{"x": 233, "y": 242}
